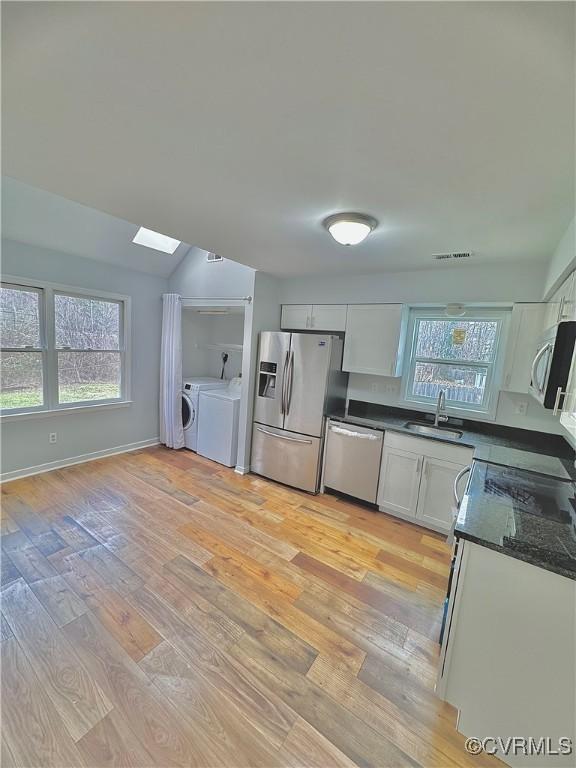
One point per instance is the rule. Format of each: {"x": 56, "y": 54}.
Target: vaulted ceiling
{"x": 239, "y": 126}
{"x": 37, "y": 217}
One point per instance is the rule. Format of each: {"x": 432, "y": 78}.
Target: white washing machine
{"x": 218, "y": 424}
{"x": 191, "y": 389}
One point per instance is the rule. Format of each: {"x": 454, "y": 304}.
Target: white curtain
{"x": 171, "y": 431}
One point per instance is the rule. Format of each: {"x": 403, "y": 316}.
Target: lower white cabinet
{"x": 417, "y": 478}
{"x": 400, "y": 481}
{"x": 507, "y": 661}
{"x": 435, "y": 499}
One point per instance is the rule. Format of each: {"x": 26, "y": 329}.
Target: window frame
{"x": 494, "y": 368}
{"x": 49, "y": 350}
{"x": 42, "y": 349}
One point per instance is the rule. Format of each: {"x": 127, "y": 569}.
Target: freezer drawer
{"x": 287, "y": 457}
{"x": 352, "y": 460}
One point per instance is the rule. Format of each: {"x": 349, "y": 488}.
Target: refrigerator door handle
{"x": 283, "y": 437}
{"x": 284, "y": 384}
{"x": 290, "y": 383}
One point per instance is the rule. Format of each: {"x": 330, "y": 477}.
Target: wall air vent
{"x": 457, "y": 255}
{"x": 214, "y": 257}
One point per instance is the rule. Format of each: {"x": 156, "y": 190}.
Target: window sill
{"x": 61, "y": 411}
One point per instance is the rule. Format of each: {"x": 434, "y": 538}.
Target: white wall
{"x": 386, "y": 391}
{"x": 201, "y": 332}
{"x": 563, "y": 260}
{"x": 25, "y": 442}
{"x": 195, "y": 276}
{"x": 262, "y": 315}
{"x": 464, "y": 282}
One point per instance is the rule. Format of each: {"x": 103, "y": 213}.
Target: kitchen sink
{"x": 429, "y": 429}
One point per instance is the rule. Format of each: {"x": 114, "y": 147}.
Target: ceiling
{"x": 41, "y": 218}
{"x": 239, "y": 126}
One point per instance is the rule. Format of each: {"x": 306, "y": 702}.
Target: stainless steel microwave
{"x": 551, "y": 364}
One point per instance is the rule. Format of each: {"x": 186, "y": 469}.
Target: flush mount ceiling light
{"x": 455, "y": 310}
{"x": 350, "y": 228}
{"x": 155, "y": 240}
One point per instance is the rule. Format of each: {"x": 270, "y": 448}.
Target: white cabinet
{"x": 435, "y": 498}
{"x": 328, "y": 317}
{"x": 507, "y": 660}
{"x": 526, "y": 327}
{"x": 296, "y": 316}
{"x": 562, "y": 303}
{"x": 400, "y": 481}
{"x": 313, "y": 317}
{"x": 374, "y": 340}
{"x": 417, "y": 479}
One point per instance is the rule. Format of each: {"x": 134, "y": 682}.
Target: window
{"x": 88, "y": 332}
{"x": 61, "y": 348}
{"x": 457, "y": 355}
{"x": 22, "y": 379}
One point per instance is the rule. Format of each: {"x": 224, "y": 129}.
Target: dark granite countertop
{"x": 521, "y": 514}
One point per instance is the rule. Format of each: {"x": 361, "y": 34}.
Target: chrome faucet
{"x": 440, "y": 406}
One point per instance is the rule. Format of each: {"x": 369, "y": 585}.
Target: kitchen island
{"x": 508, "y": 660}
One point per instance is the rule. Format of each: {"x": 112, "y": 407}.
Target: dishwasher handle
{"x": 358, "y": 435}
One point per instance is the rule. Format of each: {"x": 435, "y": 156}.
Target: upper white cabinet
{"x": 562, "y": 303}
{"x": 328, "y": 317}
{"x": 526, "y": 327}
{"x": 296, "y": 316}
{"x": 417, "y": 479}
{"x": 313, "y": 317}
{"x": 374, "y": 340}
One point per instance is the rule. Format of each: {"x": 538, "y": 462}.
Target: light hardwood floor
{"x": 161, "y": 610}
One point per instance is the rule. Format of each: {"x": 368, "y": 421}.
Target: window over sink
{"x": 459, "y": 355}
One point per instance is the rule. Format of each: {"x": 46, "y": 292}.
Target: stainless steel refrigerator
{"x": 299, "y": 380}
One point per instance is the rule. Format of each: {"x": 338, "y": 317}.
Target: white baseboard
{"x": 60, "y": 463}
{"x": 242, "y": 470}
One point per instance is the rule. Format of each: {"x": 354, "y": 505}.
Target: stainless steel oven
{"x": 551, "y": 364}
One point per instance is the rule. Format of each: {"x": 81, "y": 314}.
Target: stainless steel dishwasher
{"x": 352, "y": 460}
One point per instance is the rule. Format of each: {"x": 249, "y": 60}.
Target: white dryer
{"x": 218, "y": 424}
{"x": 191, "y": 389}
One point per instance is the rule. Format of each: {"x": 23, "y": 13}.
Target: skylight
{"x": 155, "y": 240}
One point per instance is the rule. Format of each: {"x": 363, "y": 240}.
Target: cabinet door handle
{"x": 561, "y": 309}
{"x": 559, "y": 393}
{"x": 419, "y": 466}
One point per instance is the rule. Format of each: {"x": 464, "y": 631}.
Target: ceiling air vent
{"x": 214, "y": 257}
{"x": 458, "y": 255}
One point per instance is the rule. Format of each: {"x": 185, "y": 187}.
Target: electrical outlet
{"x": 521, "y": 408}
{"x": 52, "y": 437}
